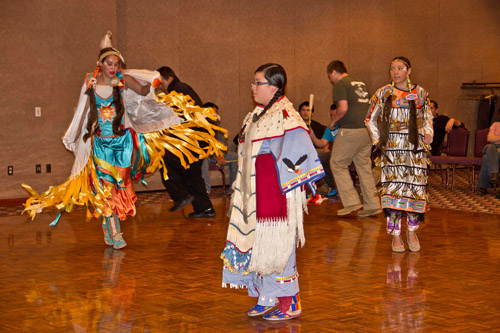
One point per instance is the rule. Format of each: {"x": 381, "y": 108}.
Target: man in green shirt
{"x": 352, "y": 143}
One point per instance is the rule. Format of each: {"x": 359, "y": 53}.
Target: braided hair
{"x": 92, "y": 121}
{"x": 384, "y": 125}
{"x": 276, "y": 76}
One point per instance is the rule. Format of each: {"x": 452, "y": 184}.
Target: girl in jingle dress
{"x": 400, "y": 125}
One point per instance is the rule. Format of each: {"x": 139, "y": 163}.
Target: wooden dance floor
{"x": 168, "y": 278}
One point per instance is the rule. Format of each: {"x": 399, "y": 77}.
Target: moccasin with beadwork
{"x": 258, "y": 310}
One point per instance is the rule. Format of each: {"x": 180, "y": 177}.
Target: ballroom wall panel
{"x": 215, "y": 45}
{"x": 46, "y": 49}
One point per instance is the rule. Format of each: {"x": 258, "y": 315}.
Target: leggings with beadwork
{"x": 394, "y": 218}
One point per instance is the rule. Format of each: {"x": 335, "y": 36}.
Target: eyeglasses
{"x": 257, "y": 83}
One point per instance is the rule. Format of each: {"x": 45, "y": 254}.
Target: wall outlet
{"x": 38, "y": 111}
{"x": 38, "y": 168}
{"x": 10, "y": 170}
{"x": 48, "y": 168}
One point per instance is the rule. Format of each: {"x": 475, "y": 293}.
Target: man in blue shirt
{"x": 324, "y": 156}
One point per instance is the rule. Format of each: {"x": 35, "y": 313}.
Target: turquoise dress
{"x": 116, "y": 151}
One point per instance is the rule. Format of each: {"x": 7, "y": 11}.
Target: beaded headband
{"x": 404, "y": 62}
{"x": 105, "y": 43}
{"x": 114, "y": 52}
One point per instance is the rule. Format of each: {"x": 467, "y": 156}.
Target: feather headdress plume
{"x": 106, "y": 40}
{"x": 106, "y": 43}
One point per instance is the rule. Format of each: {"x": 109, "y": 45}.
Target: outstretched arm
{"x": 132, "y": 83}
{"x": 319, "y": 143}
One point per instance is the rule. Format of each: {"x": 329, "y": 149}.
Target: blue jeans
{"x": 233, "y": 169}
{"x": 489, "y": 164}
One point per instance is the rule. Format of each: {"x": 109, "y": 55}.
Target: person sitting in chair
{"x": 324, "y": 156}
{"x": 442, "y": 124}
{"x": 491, "y": 156}
{"x": 306, "y": 114}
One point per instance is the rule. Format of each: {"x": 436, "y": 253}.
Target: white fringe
{"x": 233, "y": 285}
{"x": 272, "y": 246}
{"x": 274, "y": 238}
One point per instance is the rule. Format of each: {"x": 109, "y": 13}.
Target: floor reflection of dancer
{"x": 404, "y": 301}
{"x": 117, "y": 295}
{"x": 400, "y": 125}
{"x": 275, "y": 158}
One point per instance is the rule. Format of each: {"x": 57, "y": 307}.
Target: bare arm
{"x": 132, "y": 83}
{"x": 220, "y": 160}
{"x": 452, "y": 122}
{"x": 319, "y": 143}
{"x": 492, "y": 138}
{"x": 342, "y": 107}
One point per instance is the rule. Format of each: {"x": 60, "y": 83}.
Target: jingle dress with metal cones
{"x": 404, "y": 172}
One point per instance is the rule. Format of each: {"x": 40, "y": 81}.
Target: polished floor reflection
{"x": 168, "y": 278}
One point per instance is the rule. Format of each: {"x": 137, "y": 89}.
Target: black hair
{"x": 404, "y": 60}
{"x": 92, "y": 121}
{"x": 210, "y": 105}
{"x": 216, "y": 108}
{"x": 435, "y": 103}
{"x": 336, "y": 65}
{"x": 276, "y": 76}
{"x": 306, "y": 103}
{"x": 167, "y": 72}
{"x": 107, "y": 49}
{"x": 412, "y": 124}
{"x": 333, "y": 106}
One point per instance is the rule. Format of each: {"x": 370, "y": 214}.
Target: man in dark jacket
{"x": 184, "y": 185}
{"x": 442, "y": 125}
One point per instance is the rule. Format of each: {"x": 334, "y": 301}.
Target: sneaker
{"x": 210, "y": 212}
{"x": 332, "y": 193}
{"x": 349, "y": 209}
{"x": 482, "y": 191}
{"x": 369, "y": 212}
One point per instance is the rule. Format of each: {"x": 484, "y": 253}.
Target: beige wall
{"x": 215, "y": 45}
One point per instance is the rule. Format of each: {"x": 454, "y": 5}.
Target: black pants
{"x": 324, "y": 157}
{"x": 182, "y": 183}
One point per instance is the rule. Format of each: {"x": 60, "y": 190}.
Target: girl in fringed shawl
{"x": 400, "y": 125}
{"x": 275, "y": 159}
{"x": 120, "y": 131}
